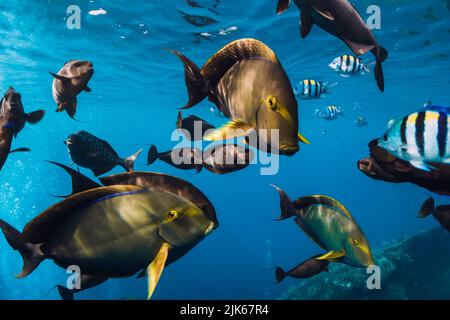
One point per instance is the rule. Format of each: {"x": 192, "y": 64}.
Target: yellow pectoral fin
{"x": 155, "y": 269}
{"x": 331, "y": 256}
{"x": 233, "y": 129}
{"x": 302, "y": 139}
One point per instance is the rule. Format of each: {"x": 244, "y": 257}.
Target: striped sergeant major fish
{"x": 312, "y": 89}
{"x": 420, "y": 138}
{"x": 330, "y": 113}
{"x": 349, "y": 64}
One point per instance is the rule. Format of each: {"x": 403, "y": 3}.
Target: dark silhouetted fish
{"x": 227, "y": 158}
{"x": 181, "y": 158}
{"x": 70, "y": 81}
{"x": 198, "y": 21}
{"x": 12, "y": 121}
{"x": 88, "y": 151}
{"x": 190, "y": 124}
{"x": 304, "y": 270}
{"x": 340, "y": 18}
{"x": 440, "y": 213}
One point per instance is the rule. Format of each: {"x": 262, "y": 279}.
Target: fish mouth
{"x": 289, "y": 150}
{"x": 367, "y": 165}
{"x": 210, "y": 228}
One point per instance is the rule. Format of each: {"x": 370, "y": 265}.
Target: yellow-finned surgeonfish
{"x": 329, "y": 224}
{"x": 248, "y": 84}
{"x": 137, "y": 223}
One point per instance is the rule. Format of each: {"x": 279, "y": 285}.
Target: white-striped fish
{"x": 312, "y": 89}
{"x": 348, "y": 64}
{"x": 330, "y": 113}
{"x": 421, "y": 138}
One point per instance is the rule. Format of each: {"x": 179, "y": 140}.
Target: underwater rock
{"x": 415, "y": 268}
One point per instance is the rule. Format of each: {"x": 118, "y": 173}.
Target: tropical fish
{"x": 69, "y": 82}
{"x": 330, "y": 113}
{"x": 181, "y": 158}
{"x": 12, "y": 103}
{"x": 247, "y": 83}
{"x": 312, "y": 89}
{"x": 12, "y": 121}
{"x": 329, "y": 224}
{"x": 161, "y": 218}
{"x": 88, "y": 151}
{"x": 420, "y": 138}
{"x": 361, "y": 122}
{"x": 191, "y": 123}
{"x": 348, "y": 64}
{"x": 383, "y": 166}
{"x": 440, "y": 213}
{"x": 227, "y": 158}
{"x": 304, "y": 270}
{"x": 340, "y": 18}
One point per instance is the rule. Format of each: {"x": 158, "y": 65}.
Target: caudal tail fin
{"x": 279, "y": 274}
{"x": 286, "y": 205}
{"x": 328, "y": 86}
{"x": 152, "y": 155}
{"x": 31, "y": 253}
{"x": 381, "y": 55}
{"x": 128, "y": 163}
{"x": 427, "y": 208}
{"x": 64, "y": 293}
{"x": 35, "y": 116}
{"x": 196, "y": 84}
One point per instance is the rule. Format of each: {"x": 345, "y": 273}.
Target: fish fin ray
{"x": 80, "y": 182}
{"x": 233, "y": 129}
{"x": 156, "y": 267}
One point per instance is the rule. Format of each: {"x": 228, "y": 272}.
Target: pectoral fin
{"x": 302, "y": 139}
{"x": 233, "y": 129}
{"x": 87, "y": 89}
{"x": 155, "y": 269}
{"x": 61, "y": 78}
{"x": 331, "y": 256}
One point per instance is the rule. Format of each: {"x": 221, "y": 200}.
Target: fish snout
{"x": 289, "y": 150}
{"x": 366, "y": 165}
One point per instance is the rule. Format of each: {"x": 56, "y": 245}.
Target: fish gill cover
{"x": 132, "y": 100}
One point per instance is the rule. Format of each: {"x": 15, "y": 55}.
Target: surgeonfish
{"x": 421, "y": 138}
{"x": 161, "y": 218}
{"x": 69, "y": 82}
{"x": 246, "y": 81}
{"x": 304, "y": 270}
{"x": 329, "y": 224}
{"x": 186, "y": 158}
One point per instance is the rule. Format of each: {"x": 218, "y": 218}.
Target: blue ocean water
{"x": 136, "y": 90}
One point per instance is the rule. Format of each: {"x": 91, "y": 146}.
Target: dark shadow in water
{"x": 198, "y": 21}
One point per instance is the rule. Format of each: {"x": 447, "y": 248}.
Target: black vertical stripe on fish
{"x": 310, "y": 89}
{"x": 347, "y": 62}
{"x": 442, "y": 133}
{"x": 316, "y": 91}
{"x": 403, "y": 130}
{"x": 420, "y": 132}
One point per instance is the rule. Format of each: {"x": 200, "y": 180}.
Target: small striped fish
{"x": 312, "y": 89}
{"x": 330, "y": 113}
{"x": 348, "y": 64}
{"x": 422, "y": 137}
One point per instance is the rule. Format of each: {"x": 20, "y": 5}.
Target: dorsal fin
{"x": 40, "y": 228}
{"x": 321, "y": 200}
{"x": 80, "y": 182}
{"x": 236, "y": 51}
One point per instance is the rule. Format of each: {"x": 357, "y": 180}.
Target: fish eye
{"x": 272, "y": 102}
{"x": 354, "y": 241}
{"x": 385, "y": 137}
{"x": 172, "y": 215}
